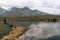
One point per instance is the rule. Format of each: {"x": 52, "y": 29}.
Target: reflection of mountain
{"x": 21, "y": 12}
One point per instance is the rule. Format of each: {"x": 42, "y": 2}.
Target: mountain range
{"x": 20, "y": 12}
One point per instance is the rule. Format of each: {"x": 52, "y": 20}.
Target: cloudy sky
{"x": 51, "y": 6}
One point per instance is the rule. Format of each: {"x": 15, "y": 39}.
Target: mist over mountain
{"x": 14, "y": 11}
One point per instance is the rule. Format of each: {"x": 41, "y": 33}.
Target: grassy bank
{"x": 34, "y": 18}
{"x": 15, "y": 33}
{"x": 4, "y": 29}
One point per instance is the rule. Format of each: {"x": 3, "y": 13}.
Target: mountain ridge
{"x": 14, "y": 11}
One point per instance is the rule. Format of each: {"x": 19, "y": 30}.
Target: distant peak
{"x": 26, "y": 8}
{"x": 14, "y": 7}
{"x": 36, "y": 10}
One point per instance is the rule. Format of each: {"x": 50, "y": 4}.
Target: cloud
{"x": 29, "y": 3}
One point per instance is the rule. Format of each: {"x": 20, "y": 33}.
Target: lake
{"x": 22, "y": 23}
{"x": 54, "y": 26}
{"x": 41, "y": 30}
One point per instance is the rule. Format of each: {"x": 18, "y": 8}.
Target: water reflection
{"x": 43, "y": 30}
{"x": 40, "y": 29}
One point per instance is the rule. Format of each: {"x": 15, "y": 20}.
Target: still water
{"x": 52, "y": 26}
{"x": 40, "y": 29}
{"x": 22, "y": 23}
